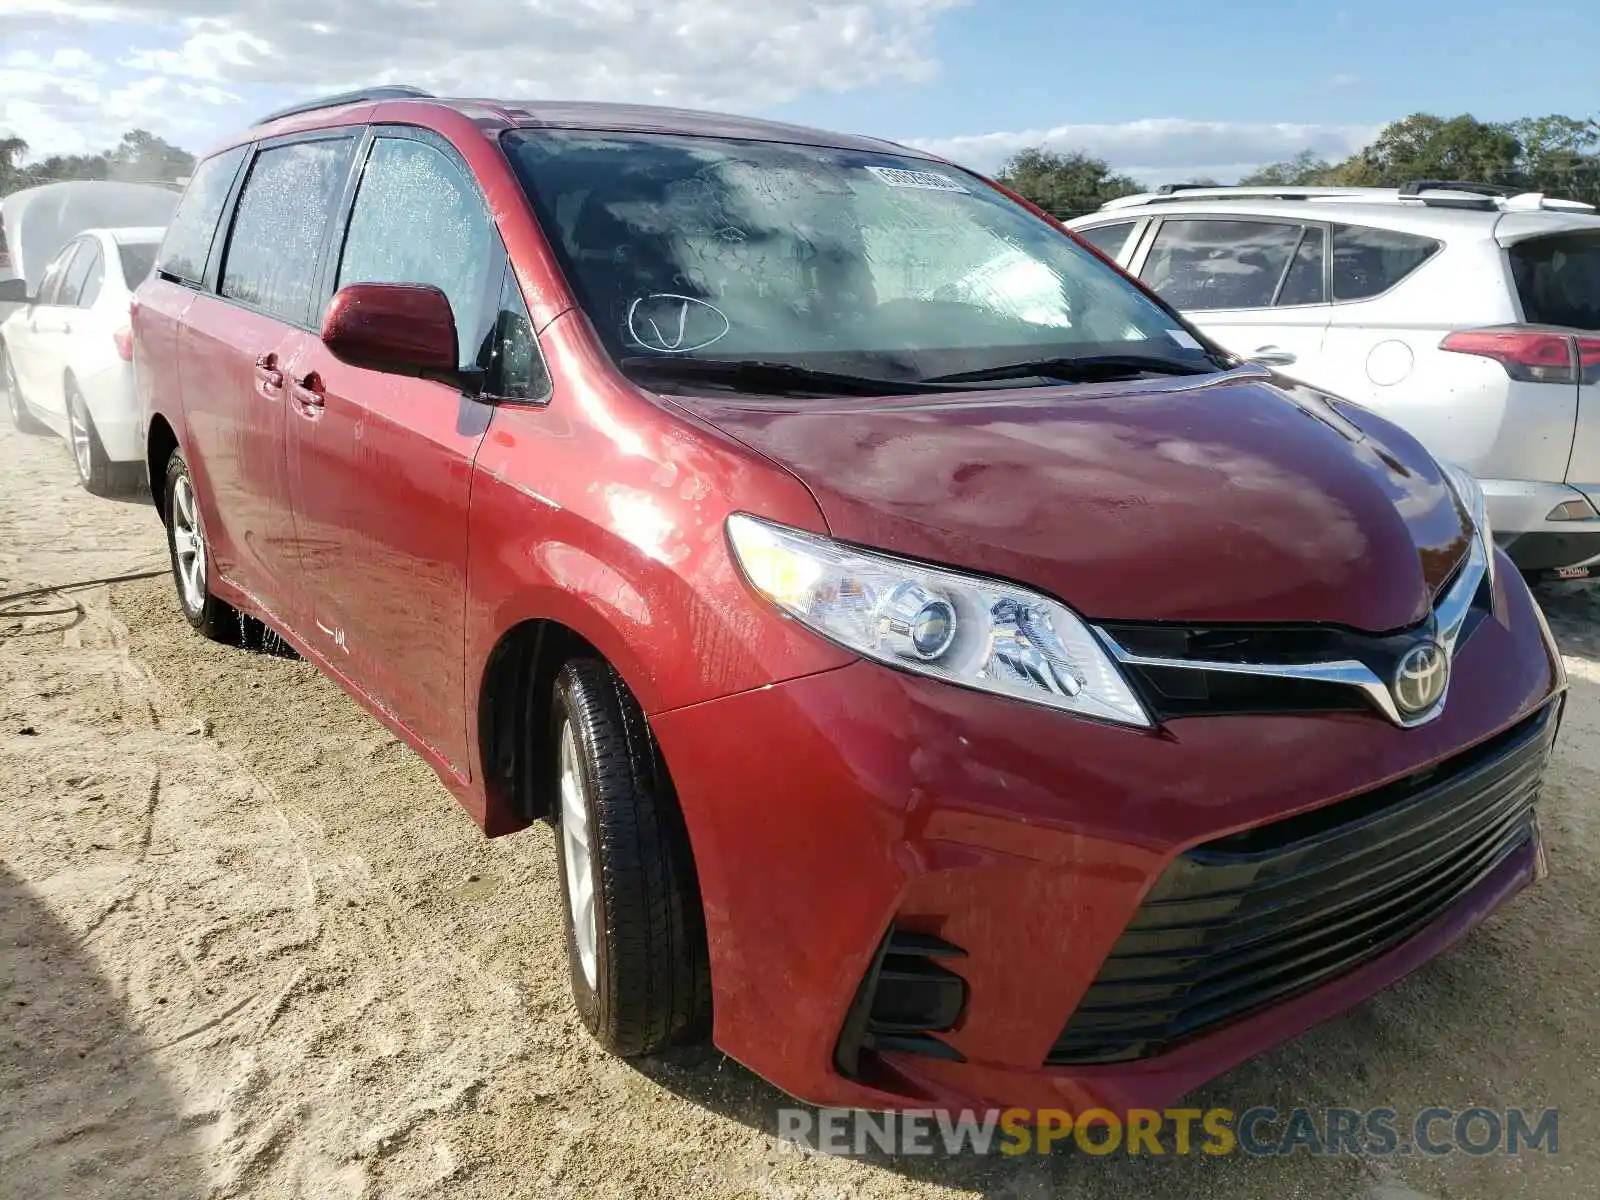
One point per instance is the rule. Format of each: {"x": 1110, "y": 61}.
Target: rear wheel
{"x": 636, "y": 944}
{"x": 21, "y": 418}
{"x": 98, "y": 474}
{"x": 186, "y": 544}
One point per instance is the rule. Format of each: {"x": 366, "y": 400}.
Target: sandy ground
{"x": 250, "y": 947}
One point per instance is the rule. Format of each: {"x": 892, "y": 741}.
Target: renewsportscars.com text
{"x": 1368, "y": 1133}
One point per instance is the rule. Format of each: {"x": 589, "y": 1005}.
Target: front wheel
{"x": 186, "y": 544}
{"x": 21, "y": 419}
{"x": 636, "y": 944}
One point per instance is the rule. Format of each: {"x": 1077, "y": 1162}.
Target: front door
{"x": 380, "y": 466}
{"x": 233, "y": 355}
{"x": 1257, "y": 287}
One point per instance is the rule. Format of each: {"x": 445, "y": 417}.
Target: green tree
{"x": 141, "y": 157}
{"x": 11, "y": 151}
{"x": 1064, "y": 185}
{"x": 1423, "y": 146}
{"x": 1305, "y": 169}
{"x": 1559, "y": 155}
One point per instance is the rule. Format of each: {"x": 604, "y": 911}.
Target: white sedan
{"x": 66, "y": 353}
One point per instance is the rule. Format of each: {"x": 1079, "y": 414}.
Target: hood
{"x": 1241, "y": 497}
{"x": 38, "y": 221}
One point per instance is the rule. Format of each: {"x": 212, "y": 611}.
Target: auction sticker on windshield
{"x": 928, "y": 181}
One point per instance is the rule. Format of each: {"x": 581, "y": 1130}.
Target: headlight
{"x": 964, "y": 629}
{"x": 1470, "y": 493}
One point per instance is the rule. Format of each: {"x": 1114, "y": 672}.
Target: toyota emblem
{"x": 1420, "y": 678}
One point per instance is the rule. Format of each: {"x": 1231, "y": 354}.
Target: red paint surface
{"x": 396, "y": 531}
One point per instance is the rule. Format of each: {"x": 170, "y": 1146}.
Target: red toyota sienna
{"x": 951, "y": 679}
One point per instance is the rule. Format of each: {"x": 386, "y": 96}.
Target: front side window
{"x": 824, "y": 258}
{"x": 1108, "y": 239}
{"x": 511, "y": 356}
{"x": 188, "y": 241}
{"x": 418, "y": 219}
{"x": 55, "y": 275}
{"x": 1369, "y": 261}
{"x": 283, "y": 213}
{"x": 1199, "y": 264}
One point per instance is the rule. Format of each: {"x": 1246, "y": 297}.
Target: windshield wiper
{"x": 1088, "y": 368}
{"x": 758, "y": 375}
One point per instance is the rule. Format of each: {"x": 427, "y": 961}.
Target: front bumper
{"x": 1519, "y": 515}
{"x": 829, "y": 810}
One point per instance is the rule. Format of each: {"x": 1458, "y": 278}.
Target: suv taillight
{"x": 1532, "y": 357}
{"x": 124, "y": 339}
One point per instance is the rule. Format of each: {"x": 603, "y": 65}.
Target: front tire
{"x": 636, "y": 944}
{"x": 186, "y": 546}
{"x": 21, "y": 419}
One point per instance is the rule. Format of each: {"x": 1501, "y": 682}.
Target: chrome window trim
{"x": 1449, "y": 617}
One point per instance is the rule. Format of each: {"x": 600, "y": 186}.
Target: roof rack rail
{"x": 392, "y": 91}
{"x": 1167, "y": 189}
{"x": 1416, "y": 187}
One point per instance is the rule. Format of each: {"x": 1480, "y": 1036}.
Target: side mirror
{"x": 14, "y": 291}
{"x": 397, "y": 328}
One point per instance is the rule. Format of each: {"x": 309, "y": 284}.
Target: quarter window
{"x": 277, "y": 234}
{"x": 188, "y": 241}
{"x": 515, "y": 367}
{"x": 1369, "y": 261}
{"x": 417, "y": 219}
{"x": 1203, "y": 264}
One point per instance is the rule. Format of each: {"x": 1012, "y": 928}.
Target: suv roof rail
{"x": 1167, "y": 189}
{"x": 391, "y": 91}
{"x": 1416, "y": 187}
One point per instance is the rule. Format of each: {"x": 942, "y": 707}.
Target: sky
{"x": 1164, "y": 89}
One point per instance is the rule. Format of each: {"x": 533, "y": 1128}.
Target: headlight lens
{"x": 964, "y": 629}
{"x": 1470, "y": 493}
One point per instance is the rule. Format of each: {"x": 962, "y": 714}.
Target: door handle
{"x": 268, "y": 378}
{"x": 1272, "y": 356}
{"x": 310, "y": 395}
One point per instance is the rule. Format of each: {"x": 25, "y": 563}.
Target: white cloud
{"x": 1162, "y": 150}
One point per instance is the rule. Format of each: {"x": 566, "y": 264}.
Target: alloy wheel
{"x": 82, "y": 448}
{"x": 575, "y": 846}
{"x": 188, "y": 545}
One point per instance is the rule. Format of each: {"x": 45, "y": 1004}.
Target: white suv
{"x": 1467, "y": 315}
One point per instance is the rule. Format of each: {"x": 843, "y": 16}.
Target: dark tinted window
{"x": 188, "y": 241}
{"x": 418, "y": 219}
{"x": 1304, "y": 283}
{"x": 516, "y": 368}
{"x": 1369, "y": 261}
{"x": 138, "y": 260}
{"x": 1200, "y": 264}
{"x": 1558, "y": 279}
{"x": 83, "y": 265}
{"x": 284, "y": 208}
{"x": 55, "y": 275}
{"x": 1108, "y": 239}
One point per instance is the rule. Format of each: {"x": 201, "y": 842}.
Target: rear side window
{"x": 138, "y": 260}
{"x": 418, "y": 219}
{"x": 1369, "y": 261}
{"x": 79, "y": 272}
{"x": 1203, "y": 264}
{"x": 1558, "y": 279}
{"x": 88, "y": 272}
{"x": 1108, "y": 239}
{"x": 188, "y": 241}
{"x": 271, "y": 262}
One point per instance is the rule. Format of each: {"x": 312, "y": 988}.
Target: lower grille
{"x": 1243, "y": 922}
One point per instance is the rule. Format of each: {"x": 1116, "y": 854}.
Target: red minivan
{"x": 951, "y": 679}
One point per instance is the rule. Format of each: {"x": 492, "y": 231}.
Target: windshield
{"x": 834, "y": 260}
